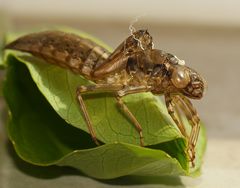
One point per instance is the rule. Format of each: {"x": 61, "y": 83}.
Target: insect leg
{"x": 123, "y": 106}
{"x": 132, "y": 90}
{"x": 172, "y": 104}
{"x": 172, "y": 112}
{"x": 99, "y": 88}
{"x": 87, "y": 118}
{"x": 193, "y": 119}
{"x": 125, "y": 109}
{"x": 87, "y": 89}
{"x": 182, "y": 107}
{"x": 120, "y": 91}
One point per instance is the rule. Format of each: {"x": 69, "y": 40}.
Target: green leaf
{"x": 47, "y": 127}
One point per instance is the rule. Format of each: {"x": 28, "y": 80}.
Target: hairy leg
{"x": 173, "y": 113}
{"x": 119, "y": 91}
{"x": 192, "y": 117}
{"x": 88, "y": 89}
{"x": 174, "y": 105}
{"x": 129, "y": 114}
{"x": 123, "y": 106}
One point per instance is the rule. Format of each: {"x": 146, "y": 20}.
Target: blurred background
{"x": 206, "y": 34}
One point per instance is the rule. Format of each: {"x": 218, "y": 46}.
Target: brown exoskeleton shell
{"x": 132, "y": 68}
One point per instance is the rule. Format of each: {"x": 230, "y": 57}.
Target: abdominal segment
{"x": 70, "y": 51}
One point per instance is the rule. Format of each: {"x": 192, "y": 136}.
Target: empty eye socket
{"x": 180, "y": 77}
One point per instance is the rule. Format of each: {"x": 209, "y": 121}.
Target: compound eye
{"x": 180, "y": 77}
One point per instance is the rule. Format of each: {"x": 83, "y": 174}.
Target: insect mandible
{"x": 134, "y": 67}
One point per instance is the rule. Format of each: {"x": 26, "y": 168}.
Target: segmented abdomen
{"x": 66, "y": 50}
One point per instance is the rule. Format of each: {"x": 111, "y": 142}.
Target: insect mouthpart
{"x": 195, "y": 89}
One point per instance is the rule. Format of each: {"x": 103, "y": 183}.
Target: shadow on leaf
{"x": 54, "y": 172}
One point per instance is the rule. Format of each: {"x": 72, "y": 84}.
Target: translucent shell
{"x": 180, "y": 77}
